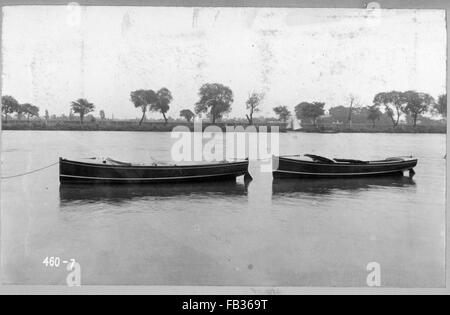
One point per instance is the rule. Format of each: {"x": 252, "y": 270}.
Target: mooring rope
{"x": 30, "y": 172}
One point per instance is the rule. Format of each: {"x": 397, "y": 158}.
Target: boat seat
{"x": 318, "y": 158}
{"x": 351, "y": 161}
{"x": 115, "y": 162}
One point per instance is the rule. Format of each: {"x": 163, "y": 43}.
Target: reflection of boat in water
{"x": 328, "y": 186}
{"x": 109, "y": 171}
{"x": 121, "y": 193}
{"x": 328, "y": 131}
{"x": 314, "y": 166}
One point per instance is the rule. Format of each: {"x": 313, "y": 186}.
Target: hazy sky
{"x": 292, "y": 55}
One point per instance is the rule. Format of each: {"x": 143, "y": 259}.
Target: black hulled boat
{"x": 314, "y": 166}
{"x": 109, "y": 171}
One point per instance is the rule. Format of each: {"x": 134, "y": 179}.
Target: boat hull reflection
{"x": 328, "y": 186}
{"x": 123, "y": 193}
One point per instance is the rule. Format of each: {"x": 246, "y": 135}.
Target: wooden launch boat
{"x": 314, "y": 166}
{"x": 109, "y": 171}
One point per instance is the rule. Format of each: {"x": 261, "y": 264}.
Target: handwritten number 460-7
{"x": 55, "y": 262}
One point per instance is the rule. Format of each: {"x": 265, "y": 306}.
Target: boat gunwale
{"x": 349, "y": 164}
{"x": 169, "y": 167}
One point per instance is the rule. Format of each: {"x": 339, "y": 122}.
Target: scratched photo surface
{"x": 262, "y": 233}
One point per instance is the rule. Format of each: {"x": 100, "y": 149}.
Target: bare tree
{"x": 252, "y": 105}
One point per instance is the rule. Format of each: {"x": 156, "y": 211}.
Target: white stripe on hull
{"x": 340, "y": 174}
{"x": 150, "y": 178}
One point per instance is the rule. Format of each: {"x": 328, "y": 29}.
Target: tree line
{"x": 215, "y": 101}
{"x": 10, "y": 105}
{"x": 392, "y": 105}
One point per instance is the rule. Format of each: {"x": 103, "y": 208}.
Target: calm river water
{"x": 266, "y": 233}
